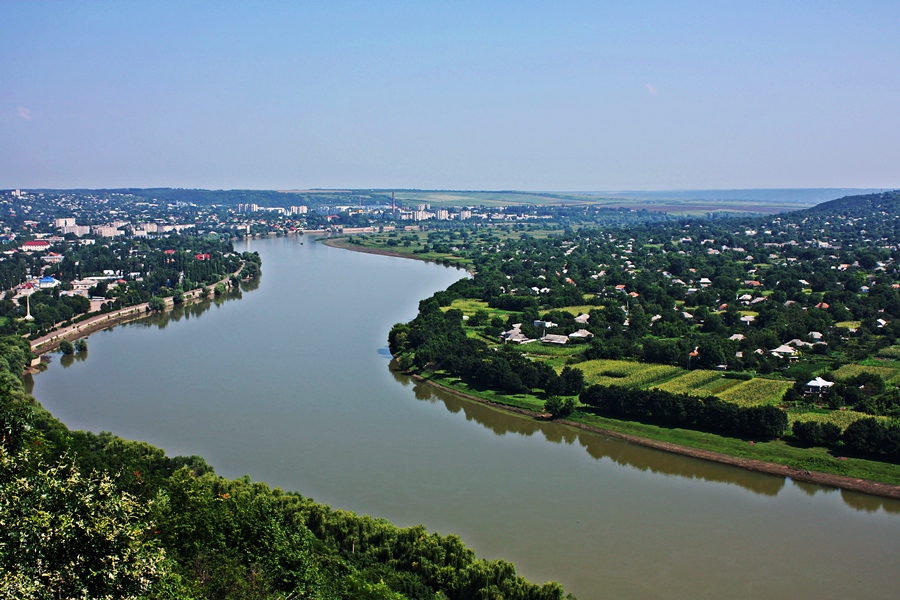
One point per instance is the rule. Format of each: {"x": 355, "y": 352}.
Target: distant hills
{"x": 809, "y": 196}
{"x": 884, "y": 201}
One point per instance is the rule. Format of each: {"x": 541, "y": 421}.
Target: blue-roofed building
{"x": 47, "y": 282}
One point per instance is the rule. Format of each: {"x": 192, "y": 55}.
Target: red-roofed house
{"x": 35, "y": 245}
{"x": 201, "y": 256}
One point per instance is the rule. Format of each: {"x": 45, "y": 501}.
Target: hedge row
{"x": 681, "y": 410}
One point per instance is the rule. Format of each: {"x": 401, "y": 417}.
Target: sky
{"x": 563, "y": 96}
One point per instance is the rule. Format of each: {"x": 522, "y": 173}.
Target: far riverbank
{"x": 340, "y": 241}
{"x": 864, "y": 486}
{"x": 836, "y": 480}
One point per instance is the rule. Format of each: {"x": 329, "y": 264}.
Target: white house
{"x": 818, "y": 386}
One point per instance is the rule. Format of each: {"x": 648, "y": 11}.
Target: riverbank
{"x": 855, "y": 484}
{"x": 800, "y": 464}
{"x": 341, "y": 241}
{"x": 50, "y": 342}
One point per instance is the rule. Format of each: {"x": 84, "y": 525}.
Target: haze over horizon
{"x": 573, "y": 96}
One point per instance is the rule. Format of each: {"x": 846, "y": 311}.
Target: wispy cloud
{"x": 651, "y": 89}
{"x": 25, "y": 113}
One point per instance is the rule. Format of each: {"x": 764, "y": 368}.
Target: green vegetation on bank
{"x": 706, "y": 325}
{"x": 121, "y": 272}
{"x": 97, "y": 516}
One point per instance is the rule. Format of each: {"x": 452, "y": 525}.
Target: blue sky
{"x": 450, "y": 95}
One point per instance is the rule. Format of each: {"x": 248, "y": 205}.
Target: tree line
{"x": 680, "y": 410}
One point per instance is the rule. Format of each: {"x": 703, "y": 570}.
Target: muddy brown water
{"x": 290, "y": 383}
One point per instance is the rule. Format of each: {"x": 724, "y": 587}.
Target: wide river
{"x": 291, "y": 385}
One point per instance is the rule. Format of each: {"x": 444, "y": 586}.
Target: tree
{"x": 66, "y": 347}
{"x": 481, "y": 317}
{"x": 571, "y": 381}
{"x": 156, "y": 304}
{"x": 559, "y": 408}
{"x": 65, "y": 534}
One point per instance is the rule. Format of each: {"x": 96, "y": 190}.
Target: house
{"x": 551, "y": 338}
{"x": 818, "y": 386}
{"x": 582, "y": 319}
{"x": 581, "y": 333}
{"x": 47, "y": 282}
{"x": 737, "y": 337}
{"x": 52, "y": 258}
{"x": 798, "y": 343}
{"x": 35, "y": 246}
{"x": 783, "y": 351}
{"x": 515, "y": 335}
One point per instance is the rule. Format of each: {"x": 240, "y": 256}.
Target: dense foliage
{"x": 681, "y": 410}
{"x": 96, "y": 516}
{"x": 796, "y": 295}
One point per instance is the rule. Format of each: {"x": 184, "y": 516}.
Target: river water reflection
{"x": 291, "y": 384}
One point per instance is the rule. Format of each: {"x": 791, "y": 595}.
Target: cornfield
{"x": 692, "y": 383}
{"x": 756, "y": 392}
{"x": 890, "y": 352}
{"x": 848, "y": 371}
{"x": 624, "y": 373}
{"x": 841, "y": 418}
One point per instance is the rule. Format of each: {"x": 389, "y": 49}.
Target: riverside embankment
{"x": 50, "y": 342}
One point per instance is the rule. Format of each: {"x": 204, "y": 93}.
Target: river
{"x": 290, "y": 383}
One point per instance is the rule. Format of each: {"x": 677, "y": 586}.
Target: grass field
{"x": 890, "y": 352}
{"x": 754, "y": 392}
{"x": 579, "y": 310}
